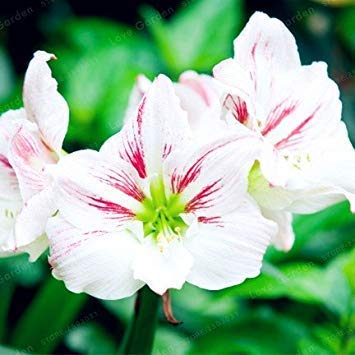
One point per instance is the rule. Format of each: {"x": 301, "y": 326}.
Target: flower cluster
{"x": 203, "y": 177}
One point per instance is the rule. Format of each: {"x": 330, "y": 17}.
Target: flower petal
{"x": 43, "y": 104}
{"x": 9, "y": 122}
{"x": 92, "y": 192}
{"x": 140, "y": 88}
{"x": 257, "y": 49}
{"x": 213, "y": 177}
{"x": 285, "y": 236}
{"x": 162, "y": 270}
{"x": 229, "y": 249}
{"x": 295, "y": 122}
{"x": 251, "y": 77}
{"x": 32, "y": 220}
{"x": 29, "y": 157}
{"x": 158, "y": 126}
{"x": 94, "y": 262}
{"x": 8, "y": 212}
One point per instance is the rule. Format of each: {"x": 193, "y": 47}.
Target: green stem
{"x": 140, "y": 334}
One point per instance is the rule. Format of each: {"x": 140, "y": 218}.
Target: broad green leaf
{"x": 304, "y": 282}
{"x": 48, "y": 318}
{"x": 262, "y": 332}
{"x": 198, "y": 36}
{"x": 90, "y": 339}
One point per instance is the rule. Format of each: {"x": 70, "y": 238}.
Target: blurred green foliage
{"x": 302, "y": 303}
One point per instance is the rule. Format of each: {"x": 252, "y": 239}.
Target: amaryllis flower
{"x": 153, "y": 208}
{"x": 30, "y": 139}
{"x": 200, "y": 96}
{"x": 307, "y": 161}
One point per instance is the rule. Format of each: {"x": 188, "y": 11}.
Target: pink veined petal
{"x": 295, "y": 122}
{"x": 229, "y": 249}
{"x": 9, "y": 123}
{"x": 259, "y": 60}
{"x": 9, "y": 188}
{"x": 43, "y": 103}
{"x": 158, "y": 126}
{"x": 92, "y": 192}
{"x": 29, "y": 157}
{"x": 203, "y": 85}
{"x": 213, "y": 177}
{"x": 94, "y": 262}
{"x": 257, "y": 49}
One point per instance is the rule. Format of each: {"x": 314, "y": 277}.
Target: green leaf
{"x": 96, "y": 72}
{"x": 262, "y": 332}
{"x": 48, "y": 318}
{"x": 349, "y": 269}
{"x": 17, "y": 270}
{"x": 90, "y": 339}
{"x": 320, "y": 236}
{"x": 303, "y": 282}
{"x": 199, "y": 36}
{"x": 169, "y": 341}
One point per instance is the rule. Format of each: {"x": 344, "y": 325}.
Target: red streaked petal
{"x": 92, "y": 192}
{"x": 211, "y": 179}
{"x": 158, "y": 126}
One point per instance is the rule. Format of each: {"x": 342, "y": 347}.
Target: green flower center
{"x": 161, "y": 215}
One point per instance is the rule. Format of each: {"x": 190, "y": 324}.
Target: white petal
{"x": 97, "y": 263}
{"x": 258, "y": 62}
{"x": 29, "y": 157}
{"x": 213, "y": 177}
{"x": 9, "y": 122}
{"x": 285, "y": 236}
{"x": 32, "y": 220}
{"x": 43, "y": 104}
{"x": 8, "y": 212}
{"x": 157, "y": 127}
{"x": 229, "y": 249}
{"x": 140, "y": 88}
{"x": 305, "y": 109}
{"x": 257, "y": 48}
{"x": 92, "y": 192}
{"x": 162, "y": 270}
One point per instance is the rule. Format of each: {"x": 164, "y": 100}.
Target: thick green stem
{"x": 140, "y": 334}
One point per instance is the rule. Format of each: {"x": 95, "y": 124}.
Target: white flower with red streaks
{"x": 200, "y": 96}
{"x": 152, "y": 208}
{"x": 30, "y": 139}
{"x": 307, "y": 161}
